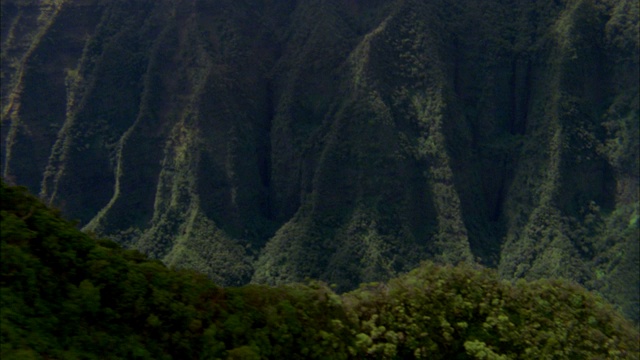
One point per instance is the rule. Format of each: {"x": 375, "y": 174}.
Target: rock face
{"x": 344, "y": 140}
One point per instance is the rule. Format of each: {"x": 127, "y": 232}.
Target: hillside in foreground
{"x": 67, "y": 295}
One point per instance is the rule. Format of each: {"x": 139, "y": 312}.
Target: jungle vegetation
{"x": 265, "y": 142}
{"x": 69, "y": 295}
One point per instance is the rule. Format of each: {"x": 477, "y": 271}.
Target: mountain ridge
{"x": 272, "y": 141}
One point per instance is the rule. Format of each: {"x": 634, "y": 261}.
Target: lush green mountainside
{"x": 344, "y": 140}
{"x": 66, "y": 295}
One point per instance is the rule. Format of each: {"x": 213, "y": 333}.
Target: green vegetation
{"x": 66, "y": 295}
{"x": 269, "y": 141}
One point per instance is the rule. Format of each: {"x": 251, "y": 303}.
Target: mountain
{"x": 67, "y": 295}
{"x": 342, "y": 140}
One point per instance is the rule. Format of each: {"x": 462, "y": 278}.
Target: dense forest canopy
{"x": 68, "y": 295}
{"x": 262, "y": 141}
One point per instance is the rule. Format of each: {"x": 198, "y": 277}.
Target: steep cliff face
{"x": 344, "y": 140}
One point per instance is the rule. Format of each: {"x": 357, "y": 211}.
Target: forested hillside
{"x": 66, "y": 295}
{"x": 343, "y": 140}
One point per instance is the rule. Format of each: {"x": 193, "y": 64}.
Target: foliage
{"x": 66, "y": 295}
{"x": 269, "y": 141}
